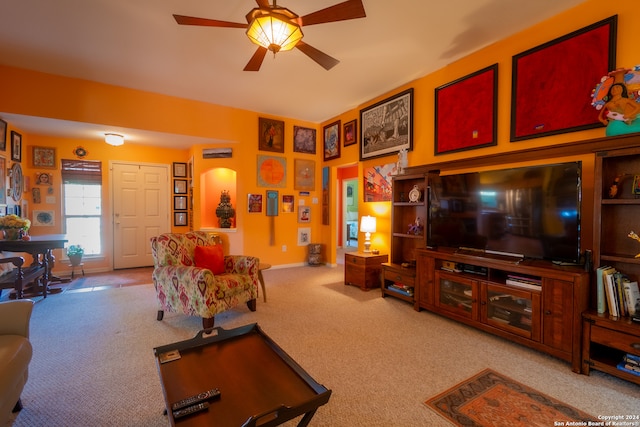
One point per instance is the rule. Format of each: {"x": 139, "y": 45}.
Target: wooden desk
{"x": 259, "y": 383}
{"x": 40, "y": 248}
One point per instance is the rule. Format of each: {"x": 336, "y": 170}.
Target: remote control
{"x": 190, "y": 410}
{"x": 209, "y": 394}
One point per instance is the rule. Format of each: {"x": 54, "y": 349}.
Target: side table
{"x": 363, "y": 269}
{"x": 263, "y": 266}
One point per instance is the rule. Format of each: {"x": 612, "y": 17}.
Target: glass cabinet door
{"x": 456, "y": 294}
{"x": 513, "y": 310}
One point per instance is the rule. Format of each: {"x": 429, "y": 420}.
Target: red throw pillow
{"x": 210, "y": 257}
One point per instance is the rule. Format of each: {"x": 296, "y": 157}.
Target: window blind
{"x": 81, "y": 171}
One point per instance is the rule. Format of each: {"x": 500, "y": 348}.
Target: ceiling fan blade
{"x": 263, "y": 4}
{"x": 203, "y": 22}
{"x": 326, "y": 61}
{"x": 256, "y": 60}
{"x": 350, "y": 9}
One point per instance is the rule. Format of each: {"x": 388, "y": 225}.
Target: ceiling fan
{"x": 276, "y": 29}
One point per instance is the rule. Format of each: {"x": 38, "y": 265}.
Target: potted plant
{"x": 75, "y": 252}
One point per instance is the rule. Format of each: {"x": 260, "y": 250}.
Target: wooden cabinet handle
{"x": 547, "y": 312}
{"x": 483, "y": 303}
{"x": 636, "y": 345}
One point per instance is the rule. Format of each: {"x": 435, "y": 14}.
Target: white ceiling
{"x": 137, "y": 44}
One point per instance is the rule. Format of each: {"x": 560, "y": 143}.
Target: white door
{"x": 140, "y": 211}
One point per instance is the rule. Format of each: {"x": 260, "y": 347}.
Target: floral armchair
{"x": 185, "y": 285}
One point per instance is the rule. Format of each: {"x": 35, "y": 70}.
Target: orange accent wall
{"x": 39, "y": 94}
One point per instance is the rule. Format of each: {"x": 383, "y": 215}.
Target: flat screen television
{"x": 530, "y": 212}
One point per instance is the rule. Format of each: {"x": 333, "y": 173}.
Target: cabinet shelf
{"x": 620, "y": 201}
{"x": 408, "y": 236}
{"x": 400, "y": 204}
{"x": 546, "y": 319}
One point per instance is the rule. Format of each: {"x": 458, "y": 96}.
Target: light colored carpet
{"x": 93, "y": 362}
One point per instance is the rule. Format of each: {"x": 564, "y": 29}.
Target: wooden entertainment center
{"x": 536, "y": 303}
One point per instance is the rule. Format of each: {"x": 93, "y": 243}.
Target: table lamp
{"x": 367, "y": 226}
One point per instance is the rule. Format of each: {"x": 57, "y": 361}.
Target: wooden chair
{"x": 18, "y": 276}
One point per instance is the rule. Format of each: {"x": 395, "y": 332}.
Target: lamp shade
{"x": 113, "y": 139}
{"x": 273, "y": 31}
{"x": 368, "y": 224}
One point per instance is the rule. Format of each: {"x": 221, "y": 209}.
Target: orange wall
{"x": 589, "y": 12}
{"x": 39, "y": 94}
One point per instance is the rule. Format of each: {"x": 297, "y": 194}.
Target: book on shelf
{"x": 632, "y": 297}
{"x": 402, "y": 289}
{"x": 623, "y": 366}
{"x": 601, "y": 304}
{"x": 632, "y": 358}
{"x": 610, "y": 292}
{"x": 619, "y": 279}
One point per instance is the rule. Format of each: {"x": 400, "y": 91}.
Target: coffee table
{"x": 259, "y": 383}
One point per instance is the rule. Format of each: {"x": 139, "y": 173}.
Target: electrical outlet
{"x": 284, "y": 248}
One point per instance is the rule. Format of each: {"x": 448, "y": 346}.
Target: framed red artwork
{"x": 466, "y": 112}
{"x": 552, "y": 83}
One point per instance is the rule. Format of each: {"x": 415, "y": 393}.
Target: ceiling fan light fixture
{"x": 114, "y": 139}
{"x": 274, "y": 32}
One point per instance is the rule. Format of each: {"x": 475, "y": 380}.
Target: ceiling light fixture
{"x": 275, "y": 29}
{"x": 114, "y": 139}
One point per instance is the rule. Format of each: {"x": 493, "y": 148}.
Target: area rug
{"x": 489, "y": 399}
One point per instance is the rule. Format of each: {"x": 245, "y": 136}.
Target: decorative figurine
{"x": 416, "y": 227}
{"x": 402, "y": 160}
{"x": 635, "y": 237}
{"x": 617, "y": 98}
{"x": 225, "y": 211}
{"x": 615, "y": 188}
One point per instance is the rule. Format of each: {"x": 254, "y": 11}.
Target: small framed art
{"x": 179, "y": 170}
{"x": 180, "y": 186}
{"x": 180, "y": 203}
{"x": 331, "y": 141}
{"x": 305, "y": 175}
{"x": 350, "y": 133}
{"x": 271, "y": 135}
{"x": 254, "y": 203}
{"x": 44, "y": 157}
{"x": 3, "y": 135}
{"x": 288, "y": 203}
{"x": 16, "y": 146}
{"x": 304, "y": 214}
{"x": 180, "y": 219}
{"x": 304, "y": 140}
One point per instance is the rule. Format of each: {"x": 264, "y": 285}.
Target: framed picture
{"x": 16, "y": 146}
{"x": 272, "y": 203}
{"x": 180, "y": 186}
{"x": 3, "y": 135}
{"x": 326, "y": 193}
{"x": 271, "y": 135}
{"x": 180, "y": 219}
{"x": 387, "y": 126}
{"x": 563, "y": 73}
{"x": 304, "y": 214}
{"x": 377, "y": 182}
{"x": 44, "y": 157}
{"x": 272, "y": 171}
{"x": 180, "y": 203}
{"x": 179, "y": 170}
{"x": 44, "y": 178}
{"x": 254, "y": 203}
{"x": 464, "y": 122}
{"x": 304, "y": 236}
{"x": 43, "y": 218}
{"x": 331, "y": 140}
{"x": 3, "y": 181}
{"x": 350, "y": 133}
{"x": 288, "y": 203}
{"x": 304, "y": 140}
{"x": 305, "y": 175}
{"x": 636, "y": 186}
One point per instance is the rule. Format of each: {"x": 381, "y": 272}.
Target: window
{"x": 82, "y": 211}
